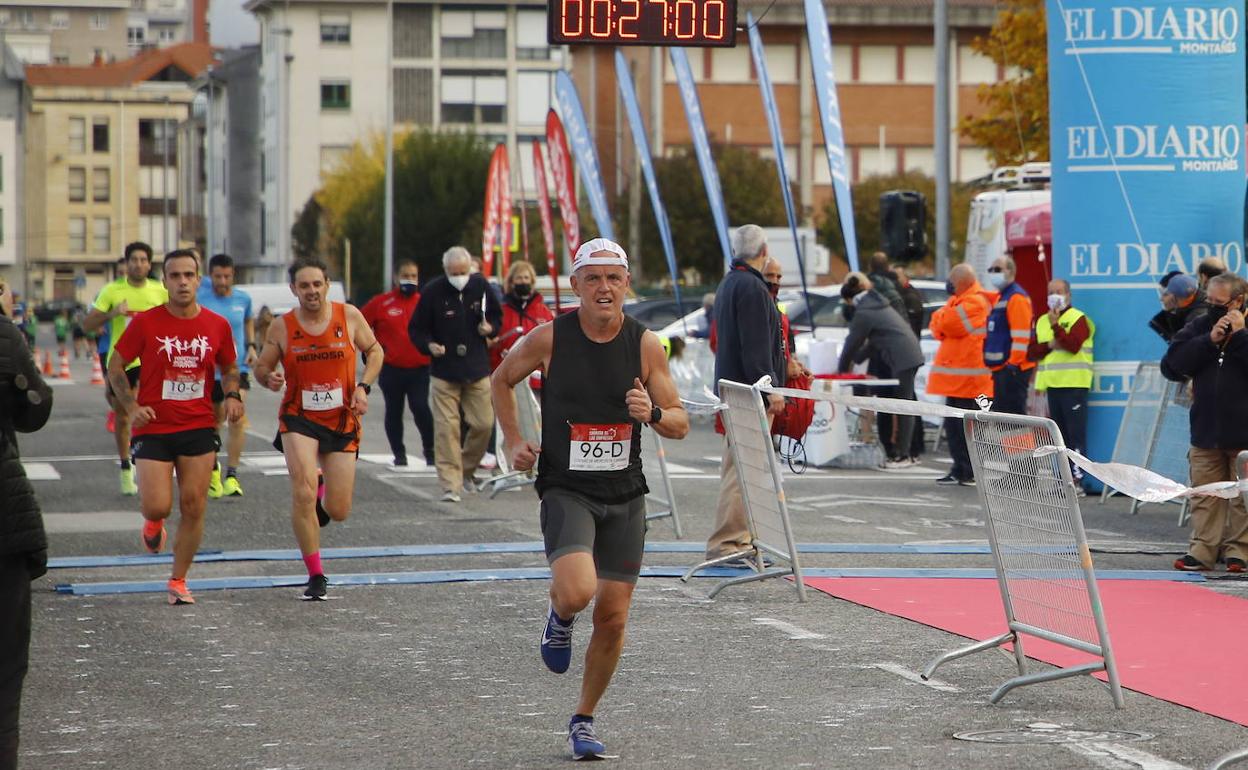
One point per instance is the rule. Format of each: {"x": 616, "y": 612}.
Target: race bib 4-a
{"x": 321, "y": 398}
{"x": 599, "y": 447}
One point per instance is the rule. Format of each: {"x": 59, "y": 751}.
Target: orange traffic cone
{"x": 97, "y": 375}
{"x": 47, "y": 364}
{"x": 64, "y": 373}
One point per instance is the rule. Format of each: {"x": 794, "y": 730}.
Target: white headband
{"x": 585, "y": 254}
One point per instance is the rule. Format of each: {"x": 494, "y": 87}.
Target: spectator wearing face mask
{"x": 523, "y": 310}
{"x": 405, "y": 373}
{"x": 1181, "y": 301}
{"x": 1009, "y": 336}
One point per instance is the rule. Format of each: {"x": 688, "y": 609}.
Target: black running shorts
{"x": 329, "y": 440}
{"x": 167, "y": 447}
{"x": 614, "y": 533}
{"x": 132, "y": 376}
{"x": 218, "y": 395}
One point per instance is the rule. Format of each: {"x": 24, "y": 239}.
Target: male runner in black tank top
{"x": 605, "y": 376}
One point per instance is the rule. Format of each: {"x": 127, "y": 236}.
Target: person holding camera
{"x": 25, "y": 404}
{"x": 457, "y": 314}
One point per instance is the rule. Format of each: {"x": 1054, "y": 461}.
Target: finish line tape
{"x": 468, "y": 549}
{"x": 542, "y": 573}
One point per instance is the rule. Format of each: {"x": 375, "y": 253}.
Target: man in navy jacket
{"x": 1212, "y": 351}
{"x": 749, "y": 347}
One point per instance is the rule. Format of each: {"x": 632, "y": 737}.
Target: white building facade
{"x": 482, "y": 68}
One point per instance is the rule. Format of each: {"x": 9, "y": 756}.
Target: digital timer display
{"x": 643, "y": 22}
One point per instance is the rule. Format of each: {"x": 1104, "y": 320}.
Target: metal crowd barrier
{"x": 664, "y": 506}
{"x": 762, "y": 491}
{"x": 1039, "y": 547}
{"x": 1155, "y": 432}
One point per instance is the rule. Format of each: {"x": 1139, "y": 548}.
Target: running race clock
{"x": 642, "y": 22}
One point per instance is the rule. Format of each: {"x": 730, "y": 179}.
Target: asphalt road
{"x": 448, "y": 674}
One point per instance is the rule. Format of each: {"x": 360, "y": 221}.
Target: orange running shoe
{"x": 179, "y": 593}
{"x": 155, "y": 544}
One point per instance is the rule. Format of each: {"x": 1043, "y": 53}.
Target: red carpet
{"x": 1175, "y": 641}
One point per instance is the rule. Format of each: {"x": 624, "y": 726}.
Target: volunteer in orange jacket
{"x": 1009, "y": 333}
{"x": 958, "y": 372}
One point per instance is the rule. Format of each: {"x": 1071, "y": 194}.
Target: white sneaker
{"x": 900, "y": 462}
{"x": 450, "y": 497}
{"x": 489, "y": 462}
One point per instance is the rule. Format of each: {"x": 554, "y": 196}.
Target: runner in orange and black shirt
{"x": 179, "y": 346}
{"x": 319, "y": 420}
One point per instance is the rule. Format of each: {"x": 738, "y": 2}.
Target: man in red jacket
{"x": 405, "y": 374}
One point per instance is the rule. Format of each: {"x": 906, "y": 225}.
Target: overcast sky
{"x": 230, "y": 26}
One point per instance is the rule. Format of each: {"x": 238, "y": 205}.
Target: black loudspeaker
{"x": 903, "y": 225}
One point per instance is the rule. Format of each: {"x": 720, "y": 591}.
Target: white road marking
{"x": 1115, "y": 756}
{"x": 896, "y": 531}
{"x": 276, "y": 472}
{"x": 41, "y": 472}
{"x": 1104, "y": 533}
{"x": 790, "y": 630}
{"x": 844, "y": 519}
{"x": 912, "y": 676}
{"x": 265, "y": 461}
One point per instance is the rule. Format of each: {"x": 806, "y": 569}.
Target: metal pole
{"x": 941, "y": 130}
{"x": 388, "y": 211}
{"x": 656, "y": 101}
{"x": 164, "y": 184}
{"x": 346, "y": 260}
{"x": 212, "y": 182}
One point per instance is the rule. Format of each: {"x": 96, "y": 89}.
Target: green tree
{"x": 439, "y": 190}
{"x": 866, "y": 194}
{"x": 1014, "y": 127}
{"x": 751, "y": 194}
{"x": 305, "y": 233}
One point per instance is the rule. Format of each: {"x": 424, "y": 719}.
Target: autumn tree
{"x": 1014, "y": 126}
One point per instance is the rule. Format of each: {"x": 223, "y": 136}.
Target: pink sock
{"x": 151, "y": 528}
{"x": 313, "y": 560}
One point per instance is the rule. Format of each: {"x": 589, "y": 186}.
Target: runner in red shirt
{"x": 317, "y": 345}
{"x": 180, "y": 346}
{"x": 405, "y": 374}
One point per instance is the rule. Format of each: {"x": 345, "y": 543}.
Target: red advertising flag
{"x": 504, "y": 207}
{"x": 548, "y": 228}
{"x": 561, "y": 169}
{"x": 489, "y": 220}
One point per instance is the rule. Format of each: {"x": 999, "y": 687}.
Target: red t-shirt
{"x": 389, "y": 315}
{"x": 179, "y": 357}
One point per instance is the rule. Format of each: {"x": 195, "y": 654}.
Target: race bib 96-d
{"x": 599, "y": 447}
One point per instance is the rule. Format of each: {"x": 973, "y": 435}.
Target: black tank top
{"x": 590, "y": 445}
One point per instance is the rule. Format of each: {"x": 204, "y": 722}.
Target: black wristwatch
{"x": 368, "y": 389}
{"x": 656, "y": 414}
{"x": 234, "y": 394}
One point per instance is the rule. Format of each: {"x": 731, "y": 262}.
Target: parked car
{"x": 52, "y": 308}
{"x": 657, "y": 312}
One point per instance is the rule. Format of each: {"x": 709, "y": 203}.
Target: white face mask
{"x": 997, "y": 280}
{"x": 1057, "y": 301}
{"x": 458, "y": 281}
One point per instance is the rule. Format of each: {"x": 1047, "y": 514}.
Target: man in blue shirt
{"x": 235, "y": 306}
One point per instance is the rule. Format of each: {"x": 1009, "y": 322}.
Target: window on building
{"x": 98, "y": 22}
{"x": 474, "y": 96}
{"x": 920, "y": 159}
{"x": 100, "y": 187}
{"x": 413, "y": 96}
{"x": 919, "y": 64}
{"x": 76, "y": 182}
{"x": 413, "y": 32}
{"x": 136, "y": 36}
{"x": 335, "y": 28}
{"x": 99, "y": 134}
{"x": 167, "y": 34}
{"x": 5, "y": 18}
{"x": 60, "y": 58}
{"x": 782, "y": 62}
{"x": 60, "y": 20}
{"x": 533, "y": 96}
{"x": 474, "y": 34}
{"x": 973, "y": 162}
{"x": 77, "y": 235}
{"x": 873, "y": 161}
{"x": 877, "y": 64}
{"x": 335, "y": 95}
{"x": 531, "y": 35}
{"x": 974, "y": 67}
{"x": 101, "y": 240}
{"x": 26, "y": 18}
{"x": 731, "y": 65}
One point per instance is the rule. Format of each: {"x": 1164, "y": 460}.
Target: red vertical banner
{"x": 561, "y": 170}
{"x": 548, "y": 227}
{"x": 504, "y": 207}
{"x": 489, "y": 221}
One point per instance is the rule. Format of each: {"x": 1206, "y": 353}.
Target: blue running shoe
{"x": 557, "y": 642}
{"x": 583, "y": 740}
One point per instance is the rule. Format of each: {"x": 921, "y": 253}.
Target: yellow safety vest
{"x": 1060, "y": 369}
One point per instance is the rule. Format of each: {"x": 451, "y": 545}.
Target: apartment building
{"x": 102, "y": 162}
{"x": 66, "y": 32}
{"x": 162, "y": 23}
{"x": 482, "y": 68}
{"x": 12, "y": 125}
{"x": 884, "y": 59}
